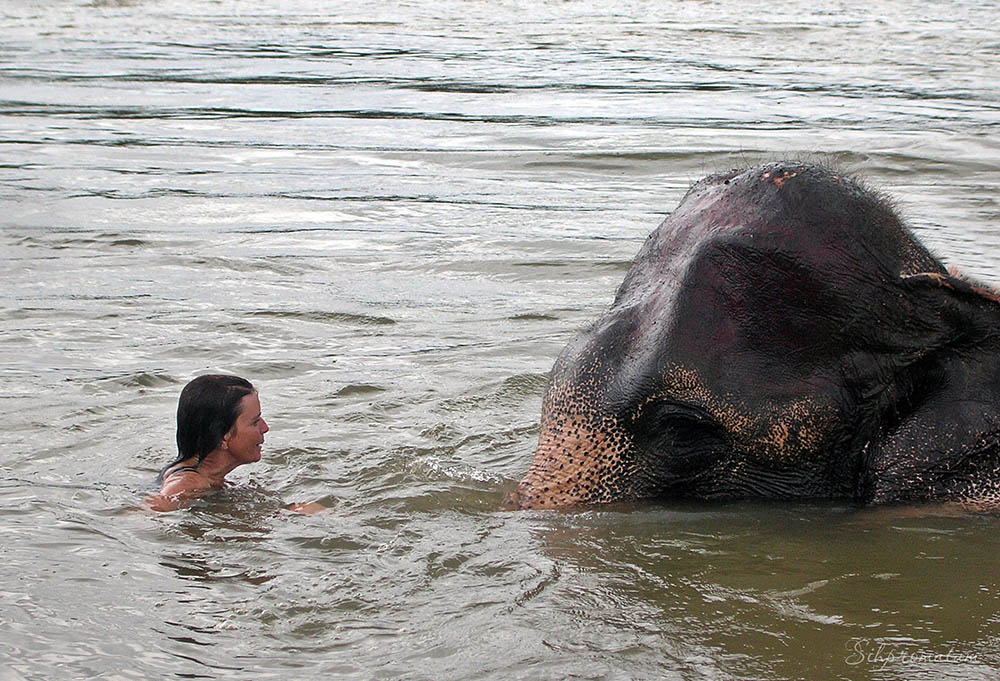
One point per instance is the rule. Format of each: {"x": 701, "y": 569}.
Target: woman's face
{"x": 247, "y": 435}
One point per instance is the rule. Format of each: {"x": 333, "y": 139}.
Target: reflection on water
{"x": 391, "y": 218}
{"x": 802, "y": 584}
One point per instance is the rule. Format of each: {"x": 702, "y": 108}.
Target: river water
{"x": 391, "y": 217}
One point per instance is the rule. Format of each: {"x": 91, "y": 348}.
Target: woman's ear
{"x": 227, "y": 437}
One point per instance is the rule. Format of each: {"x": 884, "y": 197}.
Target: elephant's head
{"x": 769, "y": 340}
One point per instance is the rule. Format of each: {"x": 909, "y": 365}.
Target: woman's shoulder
{"x": 183, "y": 479}
{"x": 180, "y": 485}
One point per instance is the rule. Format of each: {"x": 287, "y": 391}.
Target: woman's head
{"x": 207, "y": 411}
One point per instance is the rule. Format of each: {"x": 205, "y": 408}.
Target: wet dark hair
{"x": 207, "y": 409}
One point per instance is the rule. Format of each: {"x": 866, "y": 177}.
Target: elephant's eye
{"x": 680, "y": 447}
{"x": 666, "y": 413}
{"x": 680, "y": 431}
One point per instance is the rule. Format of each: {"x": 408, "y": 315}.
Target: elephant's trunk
{"x": 581, "y": 458}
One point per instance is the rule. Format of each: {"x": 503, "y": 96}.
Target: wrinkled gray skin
{"x": 781, "y": 335}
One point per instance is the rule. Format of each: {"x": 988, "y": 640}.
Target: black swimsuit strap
{"x": 182, "y": 469}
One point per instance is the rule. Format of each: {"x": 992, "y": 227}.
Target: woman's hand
{"x": 307, "y": 508}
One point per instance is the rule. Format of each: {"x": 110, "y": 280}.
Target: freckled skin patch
{"x": 781, "y": 335}
{"x": 778, "y": 432}
{"x": 780, "y": 177}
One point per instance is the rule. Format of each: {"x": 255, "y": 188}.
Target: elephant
{"x": 782, "y": 335}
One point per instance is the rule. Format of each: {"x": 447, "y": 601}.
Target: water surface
{"x": 391, "y": 218}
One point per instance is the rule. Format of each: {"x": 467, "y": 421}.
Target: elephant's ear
{"x": 942, "y": 441}
{"x": 964, "y": 313}
{"x": 954, "y": 281}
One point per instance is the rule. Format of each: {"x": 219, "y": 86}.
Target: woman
{"x": 219, "y": 427}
